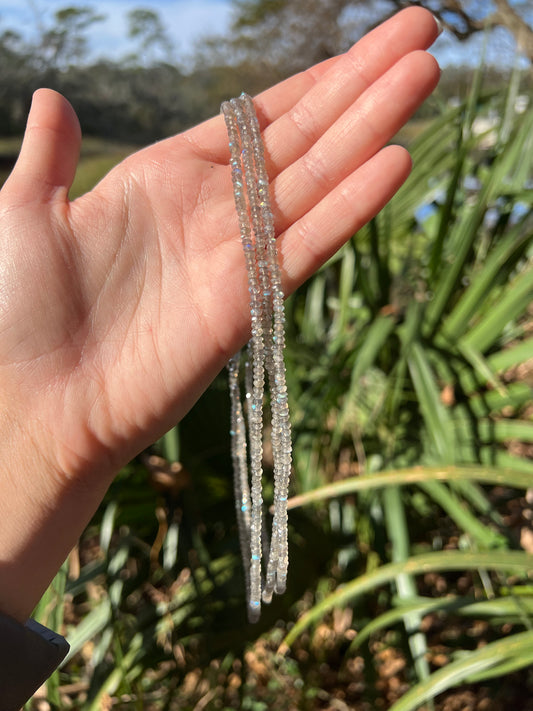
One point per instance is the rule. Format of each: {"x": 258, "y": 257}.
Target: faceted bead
{"x": 252, "y": 201}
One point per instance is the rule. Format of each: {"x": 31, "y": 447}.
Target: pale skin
{"x": 119, "y": 308}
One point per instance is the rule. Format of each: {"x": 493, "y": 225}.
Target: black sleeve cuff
{"x": 28, "y": 655}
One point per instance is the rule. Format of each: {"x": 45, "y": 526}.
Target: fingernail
{"x": 439, "y": 25}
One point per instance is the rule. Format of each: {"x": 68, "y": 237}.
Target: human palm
{"x": 118, "y": 309}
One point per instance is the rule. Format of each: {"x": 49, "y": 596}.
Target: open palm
{"x": 118, "y": 309}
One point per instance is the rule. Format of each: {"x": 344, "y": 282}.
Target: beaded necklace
{"x": 264, "y": 353}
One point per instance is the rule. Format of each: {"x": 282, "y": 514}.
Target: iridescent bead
{"x": 252, "y": 201}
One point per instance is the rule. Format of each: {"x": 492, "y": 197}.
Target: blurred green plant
{"x": 413, "y": 346}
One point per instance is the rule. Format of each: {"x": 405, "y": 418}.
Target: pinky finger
{"x": 316, "y": 236}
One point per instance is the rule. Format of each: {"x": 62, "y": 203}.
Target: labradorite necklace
{"x": 263, "y": 364}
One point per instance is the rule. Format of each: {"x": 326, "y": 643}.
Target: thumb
{"x": 50, "y": 150}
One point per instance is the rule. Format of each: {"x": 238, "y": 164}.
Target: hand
{"x": 119, "y": 308}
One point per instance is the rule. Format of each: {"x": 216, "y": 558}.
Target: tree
{"x": 464, "y": 18}
{"x": 298, "y": 33}
{"x": 293, "y": 34}
{"x": 146, "y": 27}
{"x": 16, "y": 76}
{"x": 65, "y": 42}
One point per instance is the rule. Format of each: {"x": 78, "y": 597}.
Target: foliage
{"x": 138, "y": 100}
{"x": 65, "y": 43}
{"x": 285, "y": 33}
{"x": 153, "y": 92}
{"x": 408, "y": 349}
{"x": 295, "y": 34}
{"x": 424, "y": 313}
{"x": 146, "y": 26}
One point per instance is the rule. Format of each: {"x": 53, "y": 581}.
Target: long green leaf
{"x": 398, "y": 533}
{"x": 90, "y": 626}
{"x": 120, "y": 672}
{"x": 436, "y": 416}
{"x": 516, "y": 395}
{"x": 510, "y": 306}
{"x": 374, "y": 340}
{"x": 446, "y": 212}
{"x": 507, "y": 666}
{"x": 505, "y": 561}
{"x": 466, "y": 231}
{"x": 463, "y": 517}
{"x": 504, "y": 608}
{"x": 487, "y": 430}
{"x": 482, "y": 283}
{"x": 516, "y": 647}
{"x": 503, "y": 459}
{"x": 517, "y": 478}
{"x": 509, "y": 357}
{"x": 346, "y": 286}
{"x": 480, "y": 366}
{"x": 432, "y": 159}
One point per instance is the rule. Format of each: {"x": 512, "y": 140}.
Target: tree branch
{"x": 515, "y": 23}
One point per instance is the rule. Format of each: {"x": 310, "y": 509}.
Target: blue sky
{"x": 187, "y": 20}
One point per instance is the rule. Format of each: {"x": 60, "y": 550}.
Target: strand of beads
{"x": 265, "y": 352}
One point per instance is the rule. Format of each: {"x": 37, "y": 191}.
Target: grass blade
{"x": 463, "y": 517}
{"x": 516, "y": 647}
{"x": 437, "y": 418}
{"x": 505, "y": 608}
{"x": 505, "y": 561}
{"x": 398, "y": 533}
{"x": 507, "y": 307}
{"x": 518, "y": 478}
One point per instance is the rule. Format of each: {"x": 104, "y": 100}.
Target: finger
{"x": 313, "y": 239}
{"x": 356, "y": 136}
{"x": 411, "y": 29}
{"x": 209, "y": 138}
{"x": 361, "y": 131}
{"x": 49, "y": 155}
{"x": 302, "y": 107}
{"x": 291, "y": 135}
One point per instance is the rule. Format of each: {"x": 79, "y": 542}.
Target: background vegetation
{"x": 410, "y": 367}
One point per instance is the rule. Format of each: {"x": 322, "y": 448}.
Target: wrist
{"x": 43, "y": 510}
